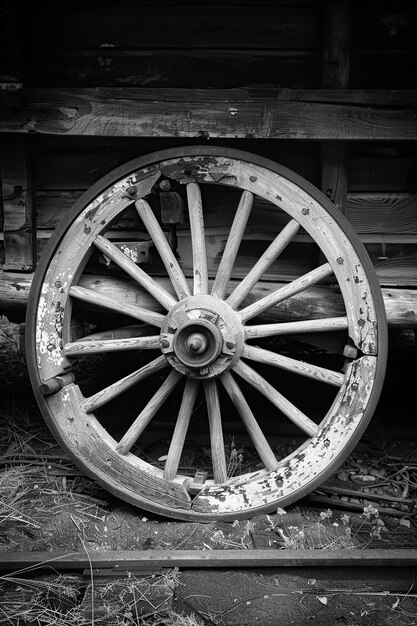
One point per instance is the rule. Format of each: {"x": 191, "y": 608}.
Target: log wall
{"x": 325, "y": 88}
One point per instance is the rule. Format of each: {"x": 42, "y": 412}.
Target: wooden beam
{"x": 316, "y": 303}
{"x": 17, "y": 200}
{"x": 210, "y": 558}
{"x": 335, "y": 75}
{"x": 316, "y": 115}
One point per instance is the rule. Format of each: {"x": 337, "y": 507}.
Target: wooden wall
{"x": 326, "y": 88}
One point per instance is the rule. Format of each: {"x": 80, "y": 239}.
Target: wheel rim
{"x": 203, "y": 330}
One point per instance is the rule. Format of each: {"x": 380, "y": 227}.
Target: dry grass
{"x": 66, "y": 601}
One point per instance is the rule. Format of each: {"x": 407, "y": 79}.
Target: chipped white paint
{"x": 131, "y": 253}
{"x": 320, "y": 226}
{"x": 53, "y": 310}
{"x": 134, "y": 479}
{"x": 305, "y": 464}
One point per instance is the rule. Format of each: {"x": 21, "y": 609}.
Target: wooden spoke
{"x": 292, "y": 365}
{"x": 114, "y": 390}
{"x": 92, "y": 297}
{"x": 283, "y": 293}
{"x": 121, "y": 332}
{"x": 94, "y": 346}
{"x": 154, "y": 404}
{"x": 258, "y": 438}
{"x": 232, "y": 246}
{"x": 294, "y": 328}
{"x": 284, "y": 405}
{"x": 265, "y": 261}
{"x": 198, "y": 241}
{"x": 216, "y": 433}
{"x": 181, "y": 427}
{"x": 168, "y": 257}
{"x": 154, "y": 288}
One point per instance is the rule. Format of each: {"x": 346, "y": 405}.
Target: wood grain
{"x": 171, "y": 264}
{"x": 112, "y": 391}
{"x": 288, "y": 328}
{"x": 285, "y": 406}
{"x": 216, "y": 432}
{"x": 95, "y": 346}
{"x": 112, "y": 112}
{"x": 180, "y": 430}
{"x": 232, "y": 245}
{"x": 87, "y": 295}
{"x": 384, "y": 213}
{"x": 293, "y": 288}
{"x": 270, "y": 255}
{"x": 17, "y": 215}
{"x": 143, "y": 419}
{"x": 259, "y": 440}
{"x": 198, "y": 240}
{"x": 135, "y": 272}
{"x": 273, "y": 359}
{"x": 316, "y": 303}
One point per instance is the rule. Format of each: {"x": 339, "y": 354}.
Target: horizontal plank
{"x": 115, "y": 112}
{"x": 369, "y": 213}
{"x": 74, "y": 163}
{"x": 316, "y": 303}
{"x": 65, "y": 163}
{"x": 210, "y": 558}
{"x": 387, "y": 213}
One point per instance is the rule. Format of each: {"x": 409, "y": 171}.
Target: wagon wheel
{"x": 201, "y": 338}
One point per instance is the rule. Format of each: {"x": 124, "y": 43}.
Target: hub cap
{"x": 201, "y": 337}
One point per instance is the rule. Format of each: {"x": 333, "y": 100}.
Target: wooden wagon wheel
{"x": 197, "y": 337}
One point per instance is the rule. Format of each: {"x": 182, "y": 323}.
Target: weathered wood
{"x": 112, "y": 391}
{"x": 216, "y": 433}
{"x": 384, "y": 213}
{"x": 395, "y": 265}
{"x": 88, "y": 441}
{"x": 335, "y": 75}
{"x": 17, "y": 215}
{"x": 316, "y": 303}
{"x": 334, "y": 159}
{"x": 292, "y": 289}
{"x": 280, "y": 242}
{"x": 154, "y": 404}
{"x": 180, "y": 430}
{"x": 139, "y": 313}
{"x": 259, "y": 440}
{"x": 308, "y": 326}
{"x": 232, "y": 245}
{"x": 168, "y": 258}
{"x": 125, "y": 263}
{"x": 273, "y": 359}
{"x": 402, "y": 557}
{"x": 276, "y": 398}
{"x": 111, "y": 112}
{"x": 198, "y": 240}
{"x": 96, "y": 346}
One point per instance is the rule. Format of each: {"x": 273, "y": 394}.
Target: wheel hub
{"x": 201, "y": 337}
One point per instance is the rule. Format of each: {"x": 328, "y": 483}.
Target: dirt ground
{"x": 47, "y": 504}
